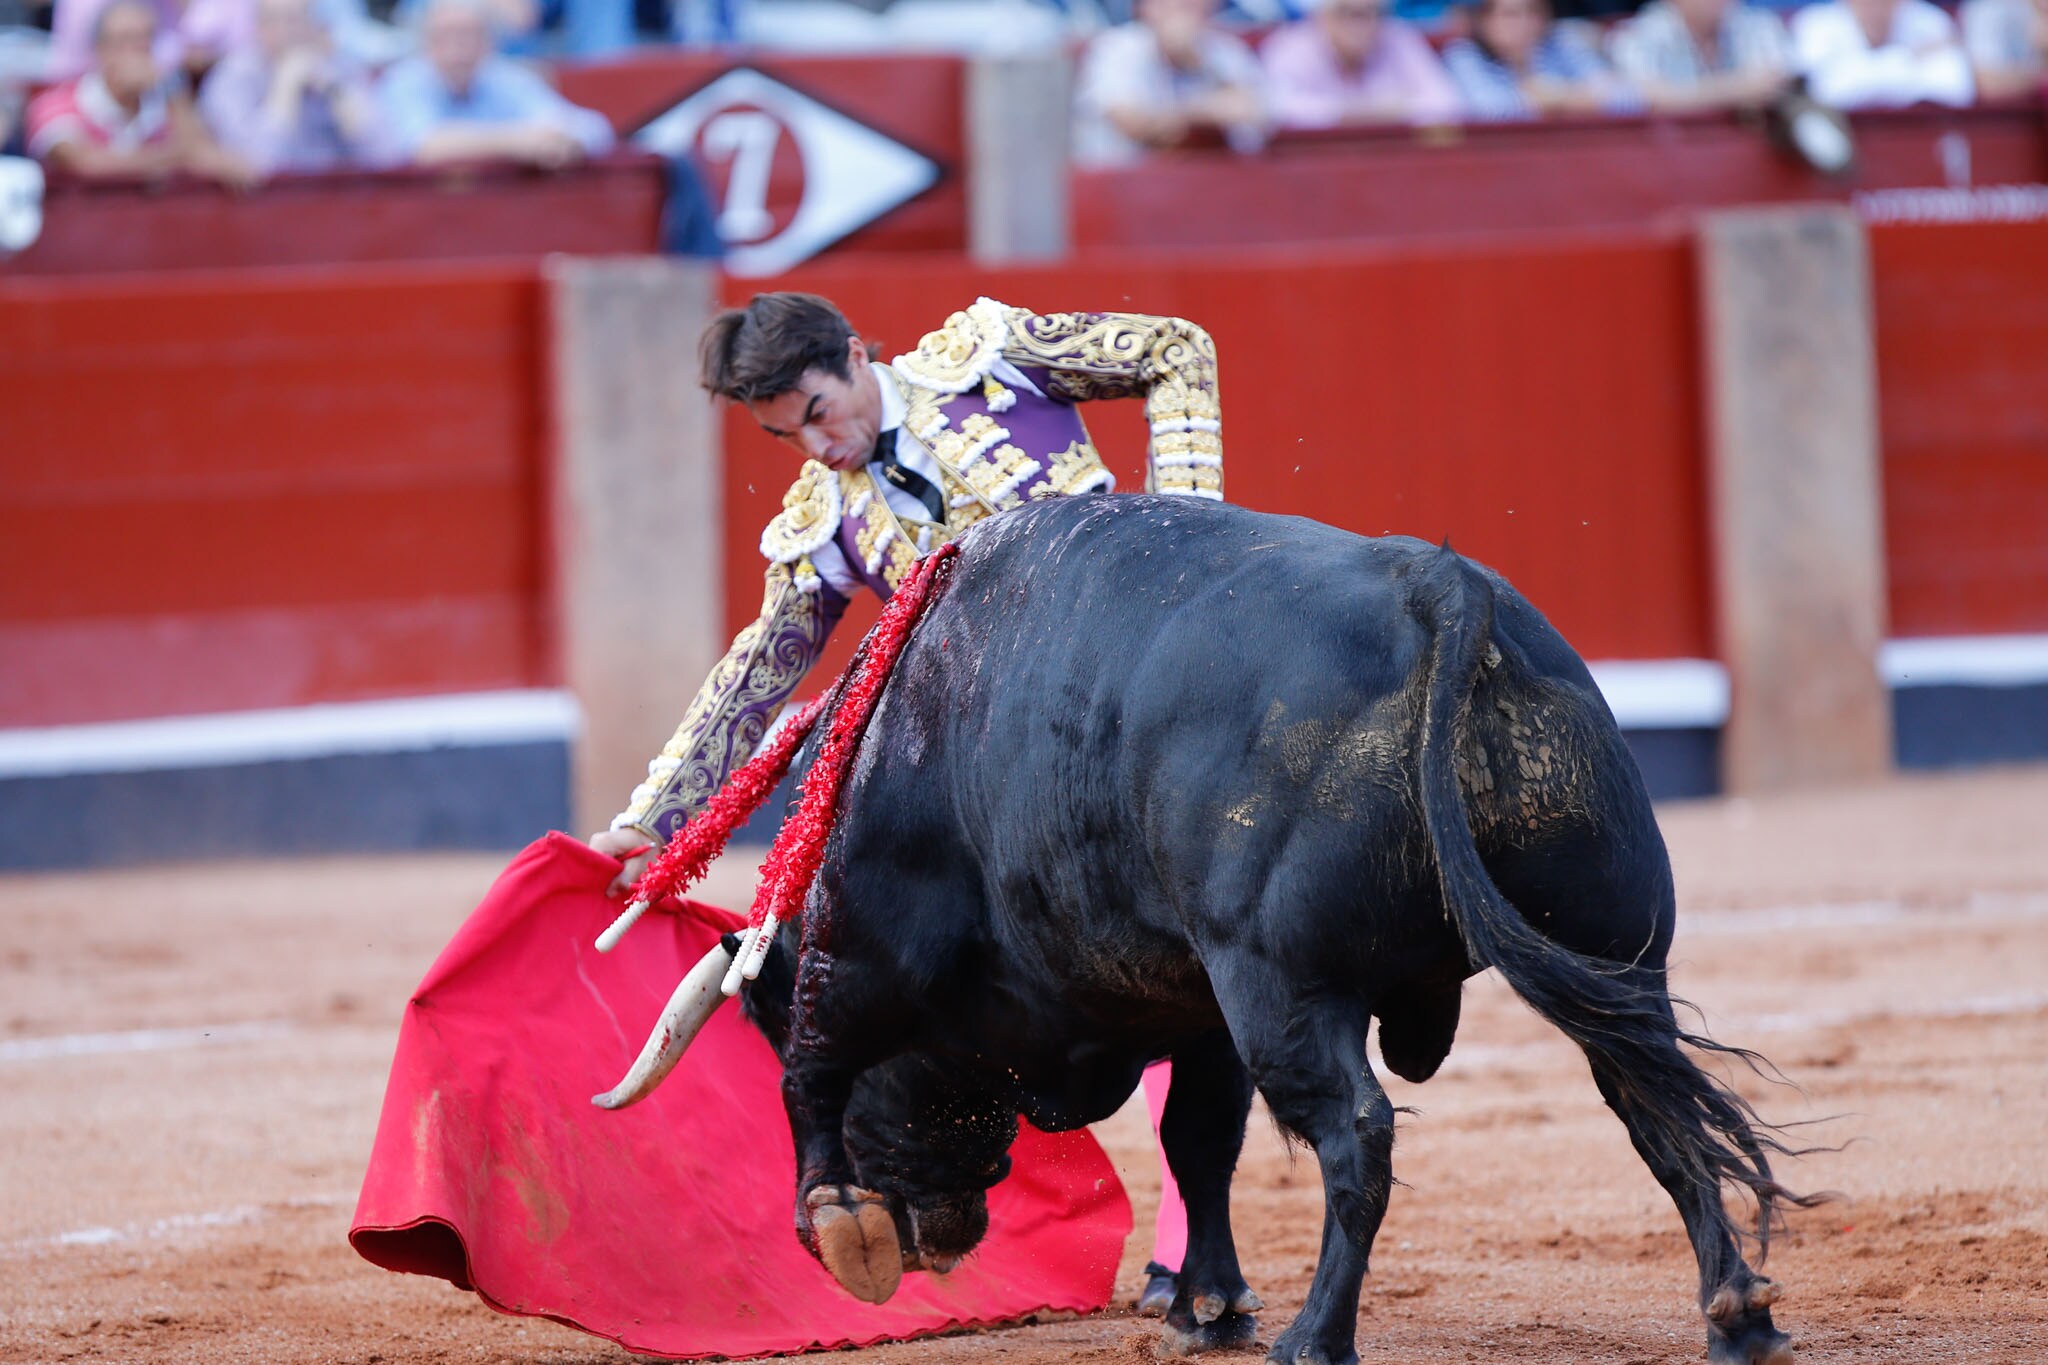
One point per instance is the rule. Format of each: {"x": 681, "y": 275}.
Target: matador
{"x": 900, "y": 457}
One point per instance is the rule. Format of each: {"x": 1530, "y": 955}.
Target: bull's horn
{"x": 688, "y": 1010}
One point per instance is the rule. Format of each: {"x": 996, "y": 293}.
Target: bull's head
{"x": 929, "y": 1137}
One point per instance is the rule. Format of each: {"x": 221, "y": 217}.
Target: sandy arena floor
{"x": 192, "y": 1061}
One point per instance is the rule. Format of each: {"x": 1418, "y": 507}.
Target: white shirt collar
{"x": 893, "y": 406}
{"x": 98, "y": 105}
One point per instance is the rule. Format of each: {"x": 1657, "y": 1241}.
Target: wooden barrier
{"x": 607, "y": 207}
{"x": 1488, "y": 180}
{"x": 257, "y": 489}
{"x": 1962, "y": 360}
{"x": 265, "y": 488}
{"x": 1798, "y": 535}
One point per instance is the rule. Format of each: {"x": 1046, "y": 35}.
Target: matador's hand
{"x": 630, "y": 846}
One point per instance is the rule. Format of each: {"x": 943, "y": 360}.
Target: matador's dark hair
{"x": 762, "y": 350}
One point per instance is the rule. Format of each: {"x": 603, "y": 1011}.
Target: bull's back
{"x": 1144, "y": 719}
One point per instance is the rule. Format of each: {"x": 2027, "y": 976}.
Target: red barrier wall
{"x": 267, "y": 488}
{"x": 1536, "y": 403}
{"x": 609, "y": 207}
{"x": 221, "y": 491}
{"x": 1486, "y": 180}
{"x": 1962, "y": 357}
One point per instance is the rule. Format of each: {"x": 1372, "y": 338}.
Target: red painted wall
{"x": 261, "y": 488}
{"x": 1482, "y": 181}
{"x": 1536, "y": 403}
{"x": 267, "y": 488}
{"x": 1962, "y": 357}
{"x": 608, "y": 207}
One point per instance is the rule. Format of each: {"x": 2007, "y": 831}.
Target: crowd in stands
{"x": 1174, "y": 74}
{"x": 288, "y": 85}
{"x": 305, "y": 85}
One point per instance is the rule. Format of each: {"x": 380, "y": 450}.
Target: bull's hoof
{"x": 1300, "y": 1345}
{"x": 855, "y": 1239}
{"x": 1161, "y": 1285}
{"x": 1739, "y": 1327}
{"x": 1183, "y": 1336}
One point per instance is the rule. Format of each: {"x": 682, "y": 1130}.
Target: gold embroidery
{"x": 732, "y": 710}
{"x": 809, "y": 517}
{"x": 880, "y": 539}
{"x": 1170, "y": 361}
{"x": 960, "y": 354}
{"x": 1199, "y": 480}
{"x": 1077, "y": 469}
{"x": 999, "y": 474}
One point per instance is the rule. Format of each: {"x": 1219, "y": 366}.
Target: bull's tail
{"x": 1693, "y": 1130}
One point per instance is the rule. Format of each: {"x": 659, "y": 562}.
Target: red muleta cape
{"x": 665, "y": 1227}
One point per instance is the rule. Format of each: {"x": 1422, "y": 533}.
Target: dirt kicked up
{"x": 191, "y": 1062}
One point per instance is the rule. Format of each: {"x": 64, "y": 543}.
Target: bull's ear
{"x": 731, "y": 943}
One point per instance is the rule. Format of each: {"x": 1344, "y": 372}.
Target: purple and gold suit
{"x": 984, "y": 412}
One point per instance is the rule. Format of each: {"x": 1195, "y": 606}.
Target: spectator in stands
{"x": 127, "y": 116}
{"x": 1862, "y": 54}
{"x": 289, "y": 102}
{"x": 461, "y": 101}
{"x": 213, "y": 28}
{"x": 74, "y": 22}
{"x": 1519, "y": 64}
{"x": 2007, "y": 43}
{"x": 1352, "y": 63}
{"x": 1157, "y": 82}
{"x": 1704, "y": 54}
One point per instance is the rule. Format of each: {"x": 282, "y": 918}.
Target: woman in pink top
{"x": 1350, "y": 64}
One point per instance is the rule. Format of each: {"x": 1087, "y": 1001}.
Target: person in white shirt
{"x": 1156, "y": 82}
{"x": 1873, "y": 54}
{"x": 2008, "y": 45}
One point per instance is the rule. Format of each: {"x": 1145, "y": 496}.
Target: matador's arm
{"x": 738, "y": 702}
{"x": 1170, "y": 361}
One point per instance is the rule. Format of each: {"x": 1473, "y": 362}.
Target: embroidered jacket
{"x": 985, "y": 409}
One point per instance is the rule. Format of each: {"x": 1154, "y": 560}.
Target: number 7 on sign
{"x": 747, "y": 138}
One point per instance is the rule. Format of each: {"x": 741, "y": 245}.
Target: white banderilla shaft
{"x": 629, "y": 917}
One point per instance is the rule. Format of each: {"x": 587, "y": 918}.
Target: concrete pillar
{"x": 1017, "y": 134}
{"x": 636, "y": 495}
{"x": 1793, "y": 469}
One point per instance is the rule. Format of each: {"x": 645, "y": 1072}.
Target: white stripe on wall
{"x": 1645, "y": 694}
{"x": 464, "y": 720}
{"x": 1969, "y": 660}
{"x": 1664, "y": 694}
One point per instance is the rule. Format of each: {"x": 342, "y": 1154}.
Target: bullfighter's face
{"x": 829, "y": 418}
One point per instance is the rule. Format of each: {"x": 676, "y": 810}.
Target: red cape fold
{"x": 667, "y": 1226}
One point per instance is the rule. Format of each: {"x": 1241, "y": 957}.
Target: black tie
{"x": 909, "y": 480}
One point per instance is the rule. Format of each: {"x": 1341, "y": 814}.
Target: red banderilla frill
{"x": 792, "y": 862}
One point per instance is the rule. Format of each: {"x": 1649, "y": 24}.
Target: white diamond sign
{"x": 850, "y": 174}
{"x": 21, "y": 204}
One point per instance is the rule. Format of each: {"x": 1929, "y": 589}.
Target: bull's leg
{"x": 1736, "y": 1300}
{"x": 1307, "y": 1057}
{"x": 850, "y": 1230}
{"x": 1202, "y": 1131}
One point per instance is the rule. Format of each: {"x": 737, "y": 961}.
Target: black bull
{"x": 1156, "y": 777}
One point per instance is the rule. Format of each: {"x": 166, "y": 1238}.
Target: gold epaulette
{"x": 960, "y": 354}
{"x": 809, "y": 518}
